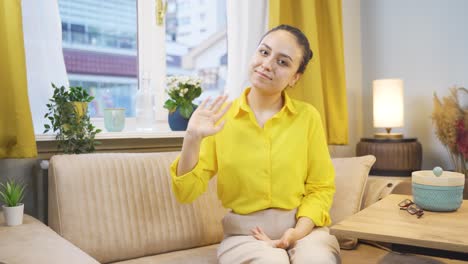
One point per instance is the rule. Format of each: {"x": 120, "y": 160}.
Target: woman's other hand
{"x": 286, "y": 241}
{"x": 203, "y": 122}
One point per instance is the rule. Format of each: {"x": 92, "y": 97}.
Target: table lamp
{"x": 395, "y": 155}
{"x": 388, "y": 107}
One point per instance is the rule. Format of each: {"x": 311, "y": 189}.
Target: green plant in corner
{"x": 12, "y": 193}
{"x": 67, "y": 113}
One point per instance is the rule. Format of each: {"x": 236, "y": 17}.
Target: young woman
{"x": 272, "y": 161}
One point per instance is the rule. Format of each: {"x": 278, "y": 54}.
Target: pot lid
{"x": 448, "y": 178}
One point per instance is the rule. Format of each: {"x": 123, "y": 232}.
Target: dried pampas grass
{"x": 445, "y": 117}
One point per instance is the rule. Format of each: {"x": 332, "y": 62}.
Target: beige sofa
{"x": 119, "y": 208}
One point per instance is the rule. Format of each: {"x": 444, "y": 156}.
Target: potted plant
{"x": 69, "y": 118}
{"x": 12, "y": 194}
{"x": 182, "y": 90}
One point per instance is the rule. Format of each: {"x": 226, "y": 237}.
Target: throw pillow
{"x": 350, "y": 179}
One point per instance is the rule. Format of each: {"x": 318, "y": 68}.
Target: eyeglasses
{"x": 411, "y": 207}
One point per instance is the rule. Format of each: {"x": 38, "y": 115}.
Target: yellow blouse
{"x": 285, "y": 164}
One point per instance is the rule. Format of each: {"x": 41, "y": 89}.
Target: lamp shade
{"x": 388, "y": 103}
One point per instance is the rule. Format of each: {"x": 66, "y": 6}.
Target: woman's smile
{"x": 264, "y": 76}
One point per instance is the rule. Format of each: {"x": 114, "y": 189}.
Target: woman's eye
{"x": 282, "y": 62}
{"x": 263, "y": 52}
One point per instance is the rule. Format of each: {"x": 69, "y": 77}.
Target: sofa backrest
{"x": 121, "y": 206}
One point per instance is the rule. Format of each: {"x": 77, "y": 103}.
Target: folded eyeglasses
{"x": 411, "y": 207}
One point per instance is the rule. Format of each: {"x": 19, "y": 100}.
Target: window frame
{"x": 151, "y": 61}
{"x": 151, "y": 40}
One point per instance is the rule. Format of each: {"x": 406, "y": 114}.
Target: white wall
{"x": 353, "y": 70}
{"x": 423, "y": 42}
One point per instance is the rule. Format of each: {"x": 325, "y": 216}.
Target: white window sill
{"x": 123, "y": 135}
{"x": 160, "y": 130}
{"x": 160, "y": 139}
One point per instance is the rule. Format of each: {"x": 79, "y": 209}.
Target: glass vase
{"x": 144, "y": 105}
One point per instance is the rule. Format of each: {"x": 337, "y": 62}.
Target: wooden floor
{"x": 368, "y": 254}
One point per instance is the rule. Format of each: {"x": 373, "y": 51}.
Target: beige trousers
{"x": 239, "y": 246}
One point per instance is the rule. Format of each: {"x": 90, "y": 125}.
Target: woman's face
{"x": 275, "y": 62}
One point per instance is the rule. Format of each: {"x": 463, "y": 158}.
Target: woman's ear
{"x": 294, "y": 79}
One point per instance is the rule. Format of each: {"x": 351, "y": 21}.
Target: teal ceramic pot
{"x": 114, "y": 119}
{"x": 441, "y": 193}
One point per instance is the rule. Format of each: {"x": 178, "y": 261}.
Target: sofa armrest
{"x": 378, "y": 187}
{"x": 34, "y": 242}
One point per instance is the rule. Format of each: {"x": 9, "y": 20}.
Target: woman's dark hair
{"x": 301, "y": 40}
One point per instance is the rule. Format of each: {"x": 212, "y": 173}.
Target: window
{"x": 184, "y": 20}
{"x": 198, "y": 50}
{"x": 106, "y": 51}
{"x": 100, "y": 51}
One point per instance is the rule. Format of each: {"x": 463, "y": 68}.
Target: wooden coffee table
{"x": 385, "y": 222}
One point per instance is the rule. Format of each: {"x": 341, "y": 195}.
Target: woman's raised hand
{"x": 203, "y": 121}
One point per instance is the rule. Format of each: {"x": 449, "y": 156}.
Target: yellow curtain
{"x": 16, "y": 129}
{"x": 323, "y": 84}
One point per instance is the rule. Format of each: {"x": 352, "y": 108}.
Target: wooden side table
{"x": 396, "y": 157}
{"x": 385, "y": 222}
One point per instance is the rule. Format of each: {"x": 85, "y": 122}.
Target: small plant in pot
{"x": 69, "y": 118}
{"x": 182, "y": 90}
{"x": 12, "y": 194}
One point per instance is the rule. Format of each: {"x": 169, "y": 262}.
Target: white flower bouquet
{"x": 182, "y": 90}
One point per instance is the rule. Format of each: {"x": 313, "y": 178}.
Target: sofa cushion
{"x": 200, "y": 255}
{"x": 33, "y": 242}
{"x": 350, "y": 179}
{"x": 362, "y": 254}
{"x": 121, "y": 206}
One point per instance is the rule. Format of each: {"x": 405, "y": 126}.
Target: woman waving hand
{"x": 271, "y": 158}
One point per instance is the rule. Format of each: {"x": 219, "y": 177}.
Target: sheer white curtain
{"x": 247, "y": 21}
{"x": 44, "y": 56}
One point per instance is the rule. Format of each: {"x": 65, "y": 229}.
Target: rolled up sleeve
{"x": 320, "y": 181}
{"x": 189, "y": 186}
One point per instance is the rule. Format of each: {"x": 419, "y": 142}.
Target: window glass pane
{"x": 100, "y": 50}
{"x": 196, "y": 42}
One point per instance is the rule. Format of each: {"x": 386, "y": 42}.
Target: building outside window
{"x": 100, "y": 51}
{"x": 100, "y": 47}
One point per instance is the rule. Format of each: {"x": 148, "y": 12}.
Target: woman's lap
{"x": 246, "y": 249}
{"x": 317, "y": 247}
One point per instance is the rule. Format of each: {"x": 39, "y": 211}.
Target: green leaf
{"x": 198, "y": 92}
{"x": 12, "y": 193}
{"x": 186, "y": 110}
{"x": 170, "y": 105}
